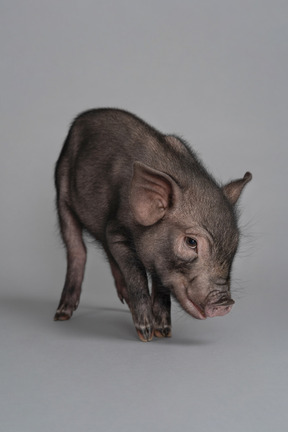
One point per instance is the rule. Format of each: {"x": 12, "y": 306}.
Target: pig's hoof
{"x": 62, "y": 315}
{"x": 163, "y": 332}
{"x": 145, "y": 333}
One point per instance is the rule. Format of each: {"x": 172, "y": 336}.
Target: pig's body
{"x": 146, "y": 198}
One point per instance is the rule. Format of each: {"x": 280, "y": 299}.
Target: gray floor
{"x": 215, "y": 72}
{"x": 92, "y": 373}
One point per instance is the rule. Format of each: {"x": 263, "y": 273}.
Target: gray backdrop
{"x": 214, "y": 72}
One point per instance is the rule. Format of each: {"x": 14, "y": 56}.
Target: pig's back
{"x": 98, "y": 158}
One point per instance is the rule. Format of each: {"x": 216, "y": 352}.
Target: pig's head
{"x": 188, "y": 236}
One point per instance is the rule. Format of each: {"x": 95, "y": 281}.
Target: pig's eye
{"x": 191, "y": 242}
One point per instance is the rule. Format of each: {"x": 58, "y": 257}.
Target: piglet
{"x": 156, "y": 211}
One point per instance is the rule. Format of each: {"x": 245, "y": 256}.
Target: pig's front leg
{"x": 136, "y": 281}
{"x": 119, "y": 280}
{"x": 161, "y": 301}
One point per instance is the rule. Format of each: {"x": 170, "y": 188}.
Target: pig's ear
{"x": 233, "y": 190}
{"x": 150, "y": 195}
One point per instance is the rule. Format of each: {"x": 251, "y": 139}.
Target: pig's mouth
{"x": 190, "y": 306}
{"x": 195, "y": 310}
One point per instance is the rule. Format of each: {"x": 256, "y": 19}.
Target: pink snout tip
{"x": 212, "y": 310}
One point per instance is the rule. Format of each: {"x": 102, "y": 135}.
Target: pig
{"x": 158, "y": 214}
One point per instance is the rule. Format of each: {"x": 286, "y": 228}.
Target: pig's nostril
{"x": 224, "y": 301}
{"x": 219, "y": 298}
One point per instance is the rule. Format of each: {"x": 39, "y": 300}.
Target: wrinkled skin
{"x": 156, "y": 211}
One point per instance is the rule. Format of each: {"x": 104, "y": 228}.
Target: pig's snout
{"x": 218, "y": 303}
{"x": 215, "y": 310}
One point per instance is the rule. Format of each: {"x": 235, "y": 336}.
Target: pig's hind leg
{"x": 71, "y": 232}
{"x": 161, "y": 304}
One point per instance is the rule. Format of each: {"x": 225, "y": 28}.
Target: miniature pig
{"x": 156, "y": 212}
